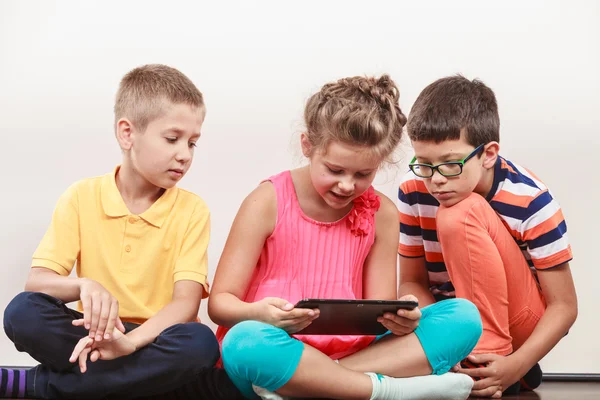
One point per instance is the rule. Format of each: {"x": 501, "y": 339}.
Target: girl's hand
{"x": 405, "y": 322}
{"x": 282, "y": 314}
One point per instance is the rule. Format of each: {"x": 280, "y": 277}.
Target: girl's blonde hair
{"x": 360, "y": 111}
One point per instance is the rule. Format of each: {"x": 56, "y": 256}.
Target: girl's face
{"x": 341, "y": 172}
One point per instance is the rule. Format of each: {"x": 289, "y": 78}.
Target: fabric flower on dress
{"x": 362, "y": 217}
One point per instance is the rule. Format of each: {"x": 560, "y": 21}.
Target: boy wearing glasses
{"x": 477, "y": 226}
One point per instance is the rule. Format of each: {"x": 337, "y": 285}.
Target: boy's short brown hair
{"x": 143, "y": 91}
{"x": 452, "y": 104}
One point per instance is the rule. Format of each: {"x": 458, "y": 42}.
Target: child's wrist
{"x": 81, "y": 282}
{"x": 135, "y": 340}
{"x": 253, "y": 312}
{"x": 520, "y": 362}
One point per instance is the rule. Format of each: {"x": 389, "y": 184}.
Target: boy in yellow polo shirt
{"x": 139, "y": 244}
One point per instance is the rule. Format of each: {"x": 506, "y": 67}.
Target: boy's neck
{"x": 485, "y": 183}
{"x": 137, "y": 193}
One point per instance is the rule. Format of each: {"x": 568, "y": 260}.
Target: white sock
{"x": 449, "y": 386}
{"x": 266, "y": 395}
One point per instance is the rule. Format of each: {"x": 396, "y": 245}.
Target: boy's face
{"x": 341, "y": 173}
{"x": 163, "y": 153}
{"x": 451, "y": 190}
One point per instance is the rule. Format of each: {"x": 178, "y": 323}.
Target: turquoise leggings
{"x": 255, "y": 353}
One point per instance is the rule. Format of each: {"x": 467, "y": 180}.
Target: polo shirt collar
{"x": 114, "y": 206}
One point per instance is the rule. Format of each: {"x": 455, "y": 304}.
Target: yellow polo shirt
{"x": 137, "y": 258}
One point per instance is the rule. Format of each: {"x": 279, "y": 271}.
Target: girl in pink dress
{"x": 322, "y": 231}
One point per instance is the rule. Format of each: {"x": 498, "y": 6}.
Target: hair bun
{"x": 362, "y": 109}
{"x": 383, "y": 89}
{"x": 387, "y": 89}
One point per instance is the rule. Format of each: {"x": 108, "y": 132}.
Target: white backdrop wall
{"x": 256, "y": 63}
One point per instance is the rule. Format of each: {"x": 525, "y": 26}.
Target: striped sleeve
{"x": 411, "y": 237}
{"x": 544, "y": 230}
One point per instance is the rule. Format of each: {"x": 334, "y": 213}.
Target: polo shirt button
{"x": 128, "y": 248}
{"x": 132, "y": 220}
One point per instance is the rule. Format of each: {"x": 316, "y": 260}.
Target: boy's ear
{"x": 490, "y": 154}
{"x": 306, "y": 146}
{"x": 124, "y": 133}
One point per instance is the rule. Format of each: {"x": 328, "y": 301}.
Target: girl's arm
{"x": 379, "y": 272}
{"x": 252, "y": 226}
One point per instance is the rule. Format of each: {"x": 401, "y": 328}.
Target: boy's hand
{"x": 405, "y": 322}
{"x": 498, "y": 374}
{"x": 100, "y": 310}
{"x": 282, "y": 314}
{"x": 119, "y": 345}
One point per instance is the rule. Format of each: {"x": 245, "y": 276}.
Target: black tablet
{"x": 350, "y": 317}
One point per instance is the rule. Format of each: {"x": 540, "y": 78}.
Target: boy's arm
{"x": 57, "y": 252}
{"x": 53, "y": 262}
{"x": 100, "y": 308}
{"x": 561, "y": 312}
{"x": 544, "y": 230}
{"x": 182, "y": 308}
{"x": 189, "y": 276}
{"x": 47, "y": 281}
{"x": 415, "y": 280}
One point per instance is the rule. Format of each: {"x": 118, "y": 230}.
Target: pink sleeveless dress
{"x": 304, "y": 258}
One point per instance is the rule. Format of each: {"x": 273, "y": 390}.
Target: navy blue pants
{"x": 180, "y": 360}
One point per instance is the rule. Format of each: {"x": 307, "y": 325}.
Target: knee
{"x": 461, "y": 319}
{"x": 449, "y": 331}
{"x": 242, "y": 341}
{"x": 197, "y": 344}
{"x": 466, "y": 323}
{"x": 242, "y": 338}
{"x": 255, "y": 353}
{"x": 20, "y": 315}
